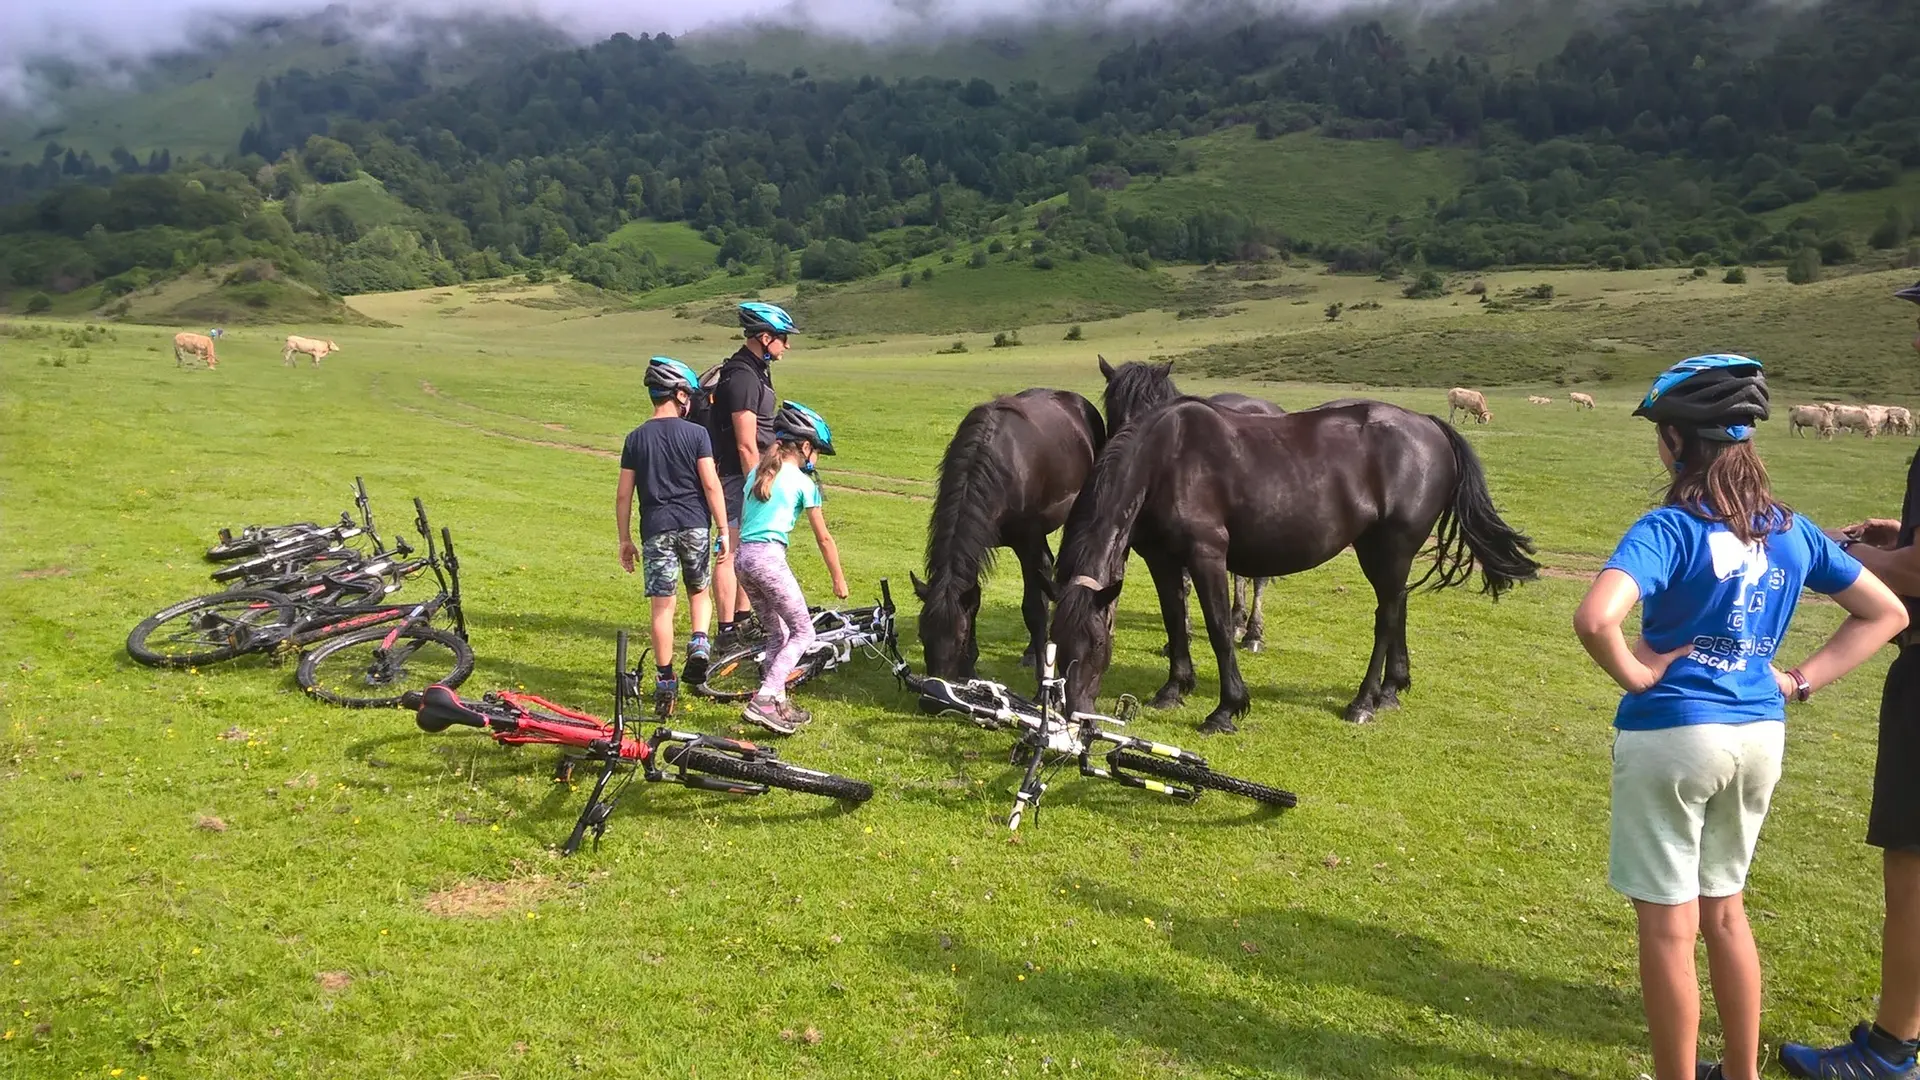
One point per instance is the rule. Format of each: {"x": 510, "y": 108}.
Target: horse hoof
{"x": 1027, "y": 660}
{"x": 1254, "y": 645}
{"x": 1357, "y": 714}
{"x": 1168, "y": 699}
{"x": 1219, "y": 725}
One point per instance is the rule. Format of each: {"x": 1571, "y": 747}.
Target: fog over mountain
{"x": 41, "y": 36}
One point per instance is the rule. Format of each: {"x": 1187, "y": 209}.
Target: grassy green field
{"x": 1314, "y": 188}
{"x": 674, "y": 243}
{"x": 209, "y": 875}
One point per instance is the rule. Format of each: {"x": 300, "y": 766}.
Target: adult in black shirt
{"x": 742, "y": 417}
{"x": 1886, "y": 1047}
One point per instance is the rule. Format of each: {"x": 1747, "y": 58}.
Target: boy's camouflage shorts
{"x": 672, "y": 555}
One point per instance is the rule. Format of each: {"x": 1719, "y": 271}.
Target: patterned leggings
{"x": 763, "y": 572}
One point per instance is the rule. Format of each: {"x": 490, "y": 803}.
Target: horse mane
{"x": 963, "y": 534}
{"x": 1095, "y": 541}
{"x": 1136, "y": 388}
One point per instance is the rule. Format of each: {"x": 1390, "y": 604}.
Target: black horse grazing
{"x": 1199, "y": 489}
{"x": 1134, "y": 390}
{"x": 1008, "y": 479}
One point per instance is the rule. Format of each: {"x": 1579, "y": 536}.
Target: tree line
{"x": 1661, "y": 137}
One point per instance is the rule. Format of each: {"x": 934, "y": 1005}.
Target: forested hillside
{"x": 1670, "y": 133}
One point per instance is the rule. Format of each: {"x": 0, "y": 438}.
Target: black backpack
{"x": 701, "y": 409}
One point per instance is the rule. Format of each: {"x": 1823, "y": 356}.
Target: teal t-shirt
{"x": 773, "y": 518}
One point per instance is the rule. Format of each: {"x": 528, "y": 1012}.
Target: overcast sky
{"x": 97, "y": 32}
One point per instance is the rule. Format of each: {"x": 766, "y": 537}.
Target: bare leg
{"x": 1733, "y": 964}
{"x": 662, "y": 628}
{"x": 700, "y": 610}
{"x": 1900, "y": 947}
{"x": 1670, "y": 985}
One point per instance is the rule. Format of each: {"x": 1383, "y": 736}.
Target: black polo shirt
{"x": 746, "y": 385}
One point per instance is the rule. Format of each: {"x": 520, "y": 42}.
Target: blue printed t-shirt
{"x": 792, "y": 492}
{"x": 1733, "y": 601}
{"x": 664, "y": 455}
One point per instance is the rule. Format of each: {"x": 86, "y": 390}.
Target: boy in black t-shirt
{"x": 670, "y": 461}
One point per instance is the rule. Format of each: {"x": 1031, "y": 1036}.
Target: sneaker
{"x": 1852, "y": 1060}
{"x": 1708, "y": 1070}
{"x": 795, "y": 714}
{"x": 665, "y": 693}
{"x": 699, "y": 654}
{"x": 769, "y": 715}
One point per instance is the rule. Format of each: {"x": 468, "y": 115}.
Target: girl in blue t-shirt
{"x": 1718, "y": 570}
{"x": 780, "y": 490}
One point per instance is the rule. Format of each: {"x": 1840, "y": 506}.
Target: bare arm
{"x": 1874, "y": 616}
{"x": 716, "y": 503}
{"x": 1898, "y": 569}
{"x": 828, "y": 550}
{"x": 623, "y": 518}
{"x": 746, "y": 438}
{"x": 1598, "y": 623}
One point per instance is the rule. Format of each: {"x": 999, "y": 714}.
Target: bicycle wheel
{"x": 352, "y": 670}
{"x": 208, "y": 629}
{"x": 778, "y": 774}
{"x": 1197, "y": 776}
{"x": 737, "y": 674}
{"x": 291, "y": 558}
{"x": 255, "y": 538}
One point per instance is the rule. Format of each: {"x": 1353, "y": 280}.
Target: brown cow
{"x": 199, "y": 345}
{"x": 1471, "y": 402}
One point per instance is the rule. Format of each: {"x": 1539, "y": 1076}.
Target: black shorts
{"x": 1894, "y": 821}
{"x": 734, "y": 490}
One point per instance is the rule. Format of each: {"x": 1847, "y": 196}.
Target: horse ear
{"x": 1106, "y": 369}
{"x": 1108, "y": 595}
{"x": 919, "y": 587}
{"x": 1166, "y": 368}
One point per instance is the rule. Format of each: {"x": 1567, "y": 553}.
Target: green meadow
{"x": 207, "y": 874}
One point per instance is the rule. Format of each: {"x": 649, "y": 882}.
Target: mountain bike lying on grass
{"x": 1049, "y": 737}
{"x": 734, "y": 674}
{"x": 270, "y": 549}
{"x": 707, "y": 762}
{"x": 371, "y": 650}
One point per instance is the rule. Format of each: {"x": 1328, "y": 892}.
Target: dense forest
{"x": 1658, "y": 138}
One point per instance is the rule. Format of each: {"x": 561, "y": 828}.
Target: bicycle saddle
{"x": 441, "y": 708}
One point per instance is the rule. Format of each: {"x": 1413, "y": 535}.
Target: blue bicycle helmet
{"x": 795, "y": 422}
{"x": 665, "y": 375}
{"x": 758, "y": 318}
{"x": 1720, "y": 395}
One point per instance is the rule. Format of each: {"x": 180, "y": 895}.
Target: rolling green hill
{"x": 1314, "y": 188}
{"x": 674, "y": 243}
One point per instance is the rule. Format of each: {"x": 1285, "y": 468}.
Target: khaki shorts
{"x": 1687, "y": 807}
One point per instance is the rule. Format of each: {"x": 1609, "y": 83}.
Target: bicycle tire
{"x": 1168, "y": 769}
{"x": 268, "y": 617}
{"x": 253, "y": 539}
{"x": 347, "y": 668}
{"x": 778, "y": 774}
{"x": 739, "y": 672}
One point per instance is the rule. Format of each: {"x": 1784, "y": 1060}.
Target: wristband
{"x": 1804, "y": 689}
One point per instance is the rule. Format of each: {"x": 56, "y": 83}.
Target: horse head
{"x": 947, "y": 615}
{"x": 1134, "y": 389}
{"x": 1082, "y": 635}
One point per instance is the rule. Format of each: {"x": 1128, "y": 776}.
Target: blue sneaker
{"x": 666, "y": 695}
{"x": 699, "y": 656}
{"x": 1853, "y": 1060}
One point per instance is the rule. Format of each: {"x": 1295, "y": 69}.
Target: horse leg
{"x": 1385, "y": 557}
{"x": 1239, "y": 621}
{"x": 1255, "y": 638}
{"x": 1036, "y": 566}
{"x": 1211, "y": 582}
{"x": 1170, "y": 583}
{"x": 1186, "y": 617}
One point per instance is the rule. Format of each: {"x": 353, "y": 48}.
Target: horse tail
{"x": 1470, "y": 531}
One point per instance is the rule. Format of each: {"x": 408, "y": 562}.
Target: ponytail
{"x": 1725, "y": 483}
{"x": 771, "y": 462}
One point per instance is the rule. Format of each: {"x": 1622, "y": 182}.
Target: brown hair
{"x": 1725, "y": 483}
{"x": 780, "y": 453}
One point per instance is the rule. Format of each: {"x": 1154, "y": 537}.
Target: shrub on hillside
{"x": 38, "y": 303}
{"x": 1073, "y": 333}
{"x": 1804, "y": 269}
{"x": 1425, "y": 287}
{"x": 1736, "y": 276}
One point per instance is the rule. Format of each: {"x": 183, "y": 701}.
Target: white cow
{"x": 1472, "y": 402}
{"x": 1853, "y": 418}
{"x": 1536, "y": 399}
{"x": 1817, "y": 417}
{"x": 1899, "y": 419}
{"x": 314, "y": 347}
{"x": 196, "y": 345}
{"x": 1584, "y": 401}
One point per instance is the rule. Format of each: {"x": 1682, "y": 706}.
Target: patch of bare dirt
{"x": 333, "y": 981}
{"x": 209, "y": 823}
{"x": 555, "y": 427}
{"x": 480, "y": 899}
{"x": 46, "y": 572}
